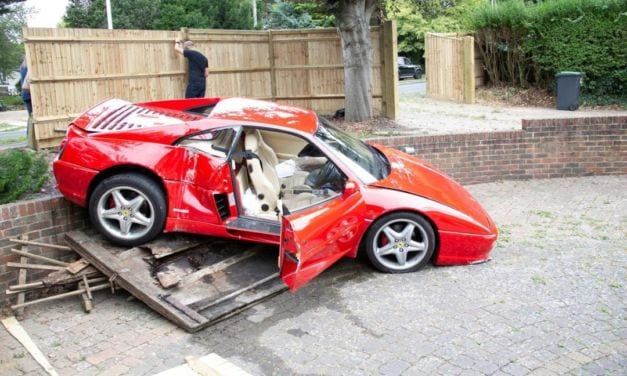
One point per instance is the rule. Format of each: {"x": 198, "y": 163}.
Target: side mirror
{"x": 350, "y": 187}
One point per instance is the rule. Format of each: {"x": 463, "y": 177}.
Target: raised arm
{"x": 178, "y": 46}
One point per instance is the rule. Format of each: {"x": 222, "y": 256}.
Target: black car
{"x": 406, "y": 69}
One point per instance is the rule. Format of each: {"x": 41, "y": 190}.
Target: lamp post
{"x": 255, "y": 13}
{"x": 109, "y": 20}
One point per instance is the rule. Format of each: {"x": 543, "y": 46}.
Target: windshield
{"x": 369, "y": 164}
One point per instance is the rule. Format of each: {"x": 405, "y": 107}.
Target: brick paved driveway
{"x": 552, "y": 301}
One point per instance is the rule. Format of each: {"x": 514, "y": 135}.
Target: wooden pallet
{"x": 193, "y": 284}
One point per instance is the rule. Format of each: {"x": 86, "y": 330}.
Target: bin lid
{"x": 561, "y": 74}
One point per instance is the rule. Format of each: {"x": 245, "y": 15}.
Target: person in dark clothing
{"x": 198, "y": 69}
{"x": 25, "y": 85}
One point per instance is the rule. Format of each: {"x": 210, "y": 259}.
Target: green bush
{"x": 21, "y": 171}
{"x": 528, "y": 43}
{"x": 11, "y": 100}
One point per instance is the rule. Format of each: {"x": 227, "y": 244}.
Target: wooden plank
{"x": 60, "y": 296}
{"x": 98, "y": 77}
{"x": 63, "y": 277}
{"x": 39, "y": 244}
{"x": 33, "y": 266}
{"x": 125, "y": 277}
{"x": 193, "y": 277}
{"x": 17, "y": 331}
{"x": 235, "y": 293}
{"x": 39, "y": 257}
{"x": 389, "y": 77}
{"x": 469, "y": 70}
{"x": 77, "y": 266}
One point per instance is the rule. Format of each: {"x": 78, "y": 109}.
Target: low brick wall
{"x": 542, "y": 149}
{"x": 43, "y": 220}
{"x": 553, "y": 148}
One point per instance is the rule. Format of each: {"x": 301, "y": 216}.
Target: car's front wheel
{"x": 128, "y": 209}
{"x": 400, "y": 243}
{"x": 417, "y": 74}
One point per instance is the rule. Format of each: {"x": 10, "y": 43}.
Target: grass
{"x": 8, "y": 141}
{"x": 5, "y": 127}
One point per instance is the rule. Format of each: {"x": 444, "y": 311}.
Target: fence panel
{"x": 72, "y": 69}
{"x": 450, "y": 67}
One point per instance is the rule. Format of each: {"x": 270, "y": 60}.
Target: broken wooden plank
{"x": 185, "y": 309}
{"x": 24, "y": 265}
{"x": 162, "y": 251}
{"x": 17, "y": 331}
{"x": 63, "y": 277}
{"x": 39, "y": 257}
{"x": 60, "y": 296}
{"x": 91, "y": 249}
{"x": 200, "y": 306}
{"x": 77, "y": 266}
{"x": 21, "y": 279}
{"x": 86, "y": 297}
{"x": 193, "y": 277}
{"x": 26, "y": 286}
{"x": 168, "y": 279}
{"x": 45, "y": 245}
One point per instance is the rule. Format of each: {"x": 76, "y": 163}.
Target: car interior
{"x": 275, "y": 172}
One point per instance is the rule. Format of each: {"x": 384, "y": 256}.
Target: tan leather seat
{"x": 262, "y": 174}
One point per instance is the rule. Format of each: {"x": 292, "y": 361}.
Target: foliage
{"x": 318, "y": 12}
{"x": 527, "y": 44}
{"x": 21, "y": 171}
{"x": 417, "y": 17}
{"x": 161, "y": 14}
{"x": 283, "y": 15}
{"x": 289, "y": 15}
{"x": 5, "y": 5}
{"x": 11, "y": 100}
{"x": 11, "y": 24}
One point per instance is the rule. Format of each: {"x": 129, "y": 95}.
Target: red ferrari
{"x": 263, "y": 172}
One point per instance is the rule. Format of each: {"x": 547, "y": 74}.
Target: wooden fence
{"x": 72, "y": 69}
{"x": 451, "y": 69}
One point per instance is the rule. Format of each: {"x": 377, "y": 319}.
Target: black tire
{"x": 137, "y": 219}
{"x": 379, "y": 242}
{"x": 417, "y": 74}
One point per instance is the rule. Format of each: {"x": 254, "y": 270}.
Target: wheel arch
{"x": 126, "y": 168}
{"x": 362, "y": 242}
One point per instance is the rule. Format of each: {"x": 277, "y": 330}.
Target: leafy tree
{"x": 11, "y": 24}
{"x": 161, "y": 14}
{"x": 283, "y": 15}
{"x": 5, "y": 5}
{"x": 125, "y": 14}
{"x": 417, "y": 17}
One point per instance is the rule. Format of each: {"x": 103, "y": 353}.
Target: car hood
{"x": 413, "y": 175}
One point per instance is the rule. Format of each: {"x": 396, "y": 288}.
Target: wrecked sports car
{"x": 263, "y": 172}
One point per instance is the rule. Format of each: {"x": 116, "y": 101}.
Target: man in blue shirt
{"x": 198, "y": 69}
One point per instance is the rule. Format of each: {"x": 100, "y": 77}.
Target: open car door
{"x": 315, "y": 238}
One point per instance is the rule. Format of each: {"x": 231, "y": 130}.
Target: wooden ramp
{"x": 194, "y": 282}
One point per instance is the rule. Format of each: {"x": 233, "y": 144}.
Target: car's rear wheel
{"x": 400, "y": 243}
{"x": 128, "y": 209}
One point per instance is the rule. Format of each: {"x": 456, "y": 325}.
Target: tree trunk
{"x": 353, "y": 20}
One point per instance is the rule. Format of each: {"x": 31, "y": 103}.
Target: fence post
{"x": 389, "y": 77}
{"x": 469, "y": 69}
{"x": 272, "y": 68}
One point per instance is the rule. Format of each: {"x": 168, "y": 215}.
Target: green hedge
{"x": 528, "y": 43}
{"x": 21, "y": 171}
